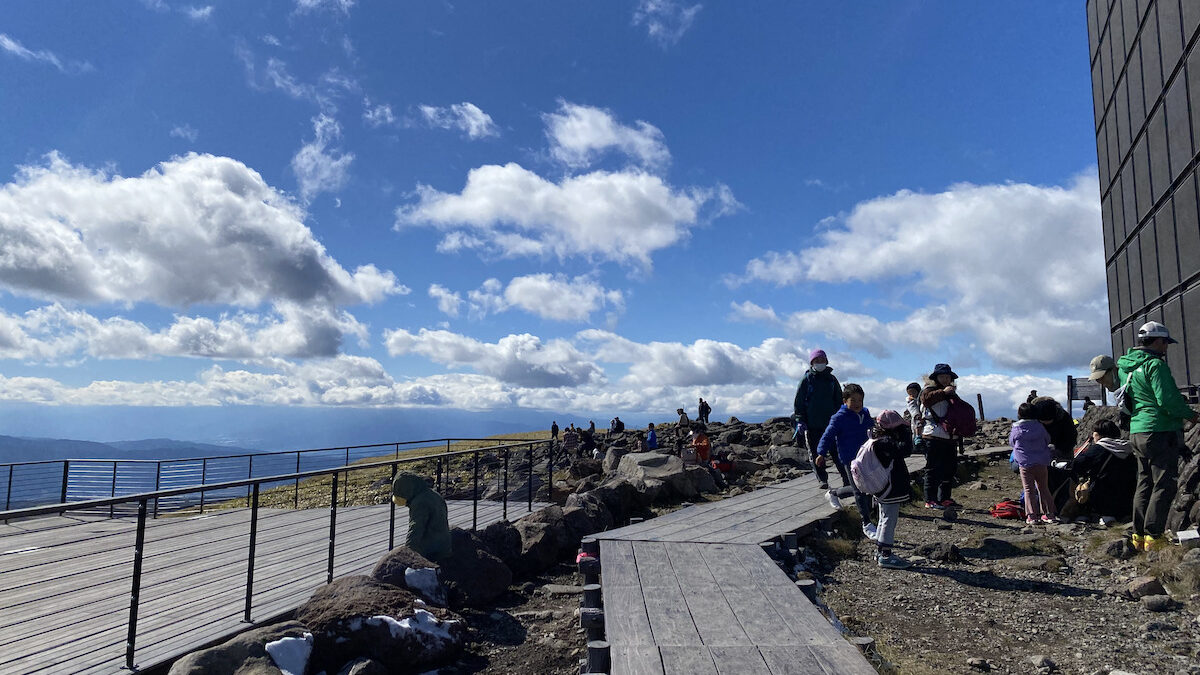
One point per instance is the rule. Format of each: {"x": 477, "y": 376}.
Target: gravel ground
{"x": 990, "y": 607}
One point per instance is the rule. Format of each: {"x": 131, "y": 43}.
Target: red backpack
{"x": 960, "y": 418}
{"x": 1009, "y": 508}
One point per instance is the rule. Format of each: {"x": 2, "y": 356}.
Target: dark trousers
{"x": 864, "y": 501}
{"x": 1157, "y": 454}
{"x": 813, "y": 436}
{"x": 941, "y": 463}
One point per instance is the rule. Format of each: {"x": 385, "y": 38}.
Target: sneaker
{"x": 894, "y": 562}
{"x": 833, "y": 500}
{"x": 1031, "y": 520}
{"x": 934, "y": 505}
{"x": 950, "y": 504}
{"x": 871, "y": 531}
{"x": 1049, "y": 519}
{"x": 1107, "y": 521}
{"x": 823, "y": 486}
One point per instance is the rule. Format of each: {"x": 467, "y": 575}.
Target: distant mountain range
{"x": 17, "y": 449}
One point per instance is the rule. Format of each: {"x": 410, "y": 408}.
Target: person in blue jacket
{"x": 848, "y": 429}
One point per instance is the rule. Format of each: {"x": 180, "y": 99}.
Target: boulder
{"x": 730, "y": 436}
{"x": 473, "y": 574}
{"x": 620, "y": 496}
{"x": 787, "y": 455}
{"x": 784, "y": 420}
{"x": 701, "y": 479}
{"x": 1140, "y": 587}
{"x": 782, "y": 438}
{"x": 589, "y": 483}
{"x": 244, "y": 654}
{"x": 582, "y": 468}
{"x": 756, "y": 437}
{"x": 586, "y": 519}
{"x": 363, "y": 667}
{"x": 749, "y": 465}
{"x": 666, "y": 468}
{"x": 1044, "y": 563}
{"x": 1120, "y": 549}
{"x": 503, "y": 541}
{"x": 1159, "y": 603}
{"x": 543, "y": 540}
{"x": 1005, "y": 546}
{"x": 406, "y": 568}
{"x": 941, "y": 550}
{"x": 612, "y": 459}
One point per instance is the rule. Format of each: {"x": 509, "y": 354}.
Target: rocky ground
{"x": 999, "y": 596}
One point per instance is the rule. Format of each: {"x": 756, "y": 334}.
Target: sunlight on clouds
{"x": 318, "y": 167}
{"x": 465, "y": 117}
{"x": 553, "y": 297}
{"x": 578, "y": 134}
{"x": 522, "y": 360}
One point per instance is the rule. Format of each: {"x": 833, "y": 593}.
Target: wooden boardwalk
{"x": 65, "y": 581}
{"x": 693, "y": 592}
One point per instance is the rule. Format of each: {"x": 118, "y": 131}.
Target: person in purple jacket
{"x": 1031, "y": 451}
{"x": 847, "y": 431}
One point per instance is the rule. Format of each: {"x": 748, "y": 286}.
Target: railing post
{"x": 157, "y": 484}
{"x": 253, "y": 542}
{"x": 392, "y": 515}
{"x": 529, "y": 490}
{"x": 297, "y": 504}
{"x": 475, "y": 491}
{"x": 203, "y": 480}
{"x": 332, "y": 526}
{"x": 549, "y": 472}
{"x": 66, "y": 474}
{"x": 112, "y": 508}
{"x": 249, "y": 475}
{"x": 504, "y": 487}
{"x": 8, "y": 492}
{"x": 139, "y": 545}
{"x": 346, "y": 483}
{"x": 439, "y": 477}
{"x": 397, "y": 451}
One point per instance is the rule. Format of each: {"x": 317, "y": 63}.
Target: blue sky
{"x": 579, "y": 208}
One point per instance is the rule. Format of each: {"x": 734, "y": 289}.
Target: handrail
{"x": 134, "y": 591}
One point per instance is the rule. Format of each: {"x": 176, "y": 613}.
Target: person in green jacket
{"x": 818, "y": 397}
{"x": 428, "y": 524}
{"x": 1155, "y": 430}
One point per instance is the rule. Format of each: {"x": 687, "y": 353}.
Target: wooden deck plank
{"x": 714, "y": 618}
{"x": 841, "y": 659}
{"x": 625, "y": 619}
{"x": 678, "y": 660}
{"x": 671, "y": 623}
{"x": 635, "y": 660}
{"x": 738, "y": 660}
{"x": 793, "y": 660}
{"x": 617, "y": 567}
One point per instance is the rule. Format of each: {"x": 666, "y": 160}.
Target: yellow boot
{"x": 1152, "y": 543}
{"x": 1136, "y": 540}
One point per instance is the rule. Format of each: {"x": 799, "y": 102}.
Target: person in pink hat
{"x": 818, "y": 397}
{"x": 893, "y": 442}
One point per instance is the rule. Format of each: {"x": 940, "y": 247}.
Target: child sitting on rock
{"x": 1031, "y": 451}
{"x": 893, "y": 442}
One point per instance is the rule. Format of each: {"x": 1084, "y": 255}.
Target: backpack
{"x": 870, "y": 475}
{"x": 1009, "y": 508}
{"x": 959, "y": 419}
{"x": 1123, "y": 400}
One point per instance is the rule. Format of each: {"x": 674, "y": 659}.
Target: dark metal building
{"x": 1146, "y": 93}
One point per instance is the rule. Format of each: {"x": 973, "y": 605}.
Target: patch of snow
{"x": 424, "y": 626}
{"x": 290, "y": 654}
{"x": 424, "y": 580}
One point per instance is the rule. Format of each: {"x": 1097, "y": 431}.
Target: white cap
{"x": 1154, "y": 329}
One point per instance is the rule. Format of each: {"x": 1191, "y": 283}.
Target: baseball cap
{"x": 1154, "y": 329}
{"x": 1100, "y": 365}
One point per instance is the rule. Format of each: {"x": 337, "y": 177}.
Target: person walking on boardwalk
{"x": 428, "y": 522}
{"x": 941, "y": 447}
{"x": 846, "y": 432}
{"x": 1155, "y": 431}
{"x": 818, "y": 397}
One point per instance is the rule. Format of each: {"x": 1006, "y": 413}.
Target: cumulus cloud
{"x": 522, "y": 360}
{"x": 508, "y": 210}
{"x": 978, "y": 256}
{"x": 553, "y": 297}
{"x": 318, "y": 166}
{"x": 578, "y": 134}
{"x": 196, "y": 229}
{"x": 465, "y": 117}
{"x": 13, "y": 47}
{"x": 665, "y": 20}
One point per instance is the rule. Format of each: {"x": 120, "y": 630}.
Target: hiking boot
{"x": 1153, "y": 543}
{"x": 1136, "y": 540}
{"x": 823, "y": 486}
{"x": 871, "y": 531}
{"x": 934, "y": 505}
{"x": 893, "y": 562}
{"x": 833, "y": 500}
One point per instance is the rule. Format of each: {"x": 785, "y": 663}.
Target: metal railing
{"x": 62, "y": 481}
{"x": 209, "y": 562}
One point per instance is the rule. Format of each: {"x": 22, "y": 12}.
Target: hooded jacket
{"x": 1157, "y": 403}
{"x": 935, "y": 402}
{"x": 818, "y": 397}
{"x": 891, "y": 449}
{"x": 428, "y": 523}
{"x": 1030, "y": 443}
{"x": 846, "y": 433}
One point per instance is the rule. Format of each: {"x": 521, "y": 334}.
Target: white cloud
{"x": 196, "y": 229}
{"x": 448, "y": 302}
{"x": 578, "y": 134}
{"x": 465, "y": 117}
{"x": 749, "y": 311}
{"x": 274, "y": 74}
{"x": 553, "y": 297}
{"x": 336, "y": 5}
{"x": 624, "y": 216}
{"x": 665, "y": 20}
{"x": 11, "y": 46}
{"x": 318, "y": 167}
{"x": 1016, "y": 266}
{"x": 198, "y": 13}
{"x": 522, "y": 360}
{"x": 378, "y": 115}
{"x": 271, "y": 40}
{"x": 186, "y": 132}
